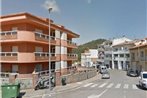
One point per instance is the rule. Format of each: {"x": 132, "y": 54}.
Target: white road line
{"x": 126, "y": 86}
{"x": 134, "y": 86}
{"x": 103, "y": 85}
{"x": 87, "y": 84}
{"x": 118, "y": 85}
{"x": 110, "y": 85}
{"x": 97, "y": 96}
{"x": 94, "y": 85}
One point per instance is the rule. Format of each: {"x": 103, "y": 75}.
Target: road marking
{"x": 126, "y": 86}
{"x": 103, "y": 85}
{"x": 110, "y": 85}
{"x": 79, "y": 82}
{"x": 97, "y": 96}
{"x": 94, "y": 85}
{"x": 134, "y": 86}
{"x": 118, "y": 85}
{"x": 87, "y": 84}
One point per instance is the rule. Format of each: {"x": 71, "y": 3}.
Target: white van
{"x": 143, "y": 80}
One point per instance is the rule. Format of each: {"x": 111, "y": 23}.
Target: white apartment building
{"x": 121, "y": 53}
{"x": 105, "y": 53}
{"x": 89, "y": 58}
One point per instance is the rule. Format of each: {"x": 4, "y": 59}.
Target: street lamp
{"x": 49, "y": 62}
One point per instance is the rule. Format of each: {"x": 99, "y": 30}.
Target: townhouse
{"x": 139, "y": 55}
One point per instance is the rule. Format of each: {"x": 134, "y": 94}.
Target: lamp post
{"x": 49, "y": 62}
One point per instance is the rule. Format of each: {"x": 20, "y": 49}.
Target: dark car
{"x": 132, "y": 73}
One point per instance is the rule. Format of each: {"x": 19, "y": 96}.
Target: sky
{"x": 91, "y": 19}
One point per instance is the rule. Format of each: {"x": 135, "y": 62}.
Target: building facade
{"x": 121, "y": 53}
{"x": 89, "y": 58}
{"x": 25, "y": 45}
{"x": 139, "y": 55}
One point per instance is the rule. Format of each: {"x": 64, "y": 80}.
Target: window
{"x": 133, "y": 56}
{"x": 38, "y": 31}
{"x": 14, "y": 28}
{"x": 14, "y": 48}
{"x": 141, "y": 54}
{"x": 15, "y": 68}
{"x": 38, "y": 49}
{"x": 121, "y": 55}
{"x": 38, "y": 68}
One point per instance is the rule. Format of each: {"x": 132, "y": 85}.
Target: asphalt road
{"x": 118, "y": 86}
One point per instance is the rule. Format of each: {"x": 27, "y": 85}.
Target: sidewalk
{"x": 30, "y": 93}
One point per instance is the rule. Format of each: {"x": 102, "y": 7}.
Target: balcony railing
{"x": 72, "y": 56}
{"x": 44, "y": 56}
{"x": 8, "y": 35}
{"x": 8, "y": 56}
{"x": 43, "y": 37}
{"x": 71, "y": 43}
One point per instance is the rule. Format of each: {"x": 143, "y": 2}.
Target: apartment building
{"x": 139, "y": 55}
{"x": 25, "y": 45}
{"x": 121, "y": 53}
{"x": 89, "y": 58}
{"x": 107, "y": 45}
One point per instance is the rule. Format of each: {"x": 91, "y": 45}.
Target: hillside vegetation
{"x": 89, "y": 45}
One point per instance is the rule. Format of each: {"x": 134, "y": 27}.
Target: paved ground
{"x": 118, "y": 86}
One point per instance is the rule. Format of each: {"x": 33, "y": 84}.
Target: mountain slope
{"x": 89, "y": 45}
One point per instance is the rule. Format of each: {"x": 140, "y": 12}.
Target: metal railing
{"x": 71, "y": 43}
{"x": 8, "y": 53}
{"x": 44, "y": 36}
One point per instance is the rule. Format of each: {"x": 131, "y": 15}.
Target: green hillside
{"x": 89, "y": 45}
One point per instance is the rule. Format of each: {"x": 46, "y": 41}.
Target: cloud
{"x": 89, "y": 1}
{"x": 51, "y": 4}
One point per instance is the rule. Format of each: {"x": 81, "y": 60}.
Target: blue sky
{"x": 91, "y": 19}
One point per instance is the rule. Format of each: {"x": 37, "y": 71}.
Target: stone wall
{"x": 80, "y": 76}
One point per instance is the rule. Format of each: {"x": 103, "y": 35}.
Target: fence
{"x": 82, "y": 75}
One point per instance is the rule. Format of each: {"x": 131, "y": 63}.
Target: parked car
{"x": 143, "y": 80}
{"x": 132, "y": 73}
{"x": 106, "y": 75}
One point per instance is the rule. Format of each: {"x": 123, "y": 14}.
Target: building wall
{"x": 27, "y": 26}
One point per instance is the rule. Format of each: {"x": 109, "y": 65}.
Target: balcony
{"x": 71, "y": 56}
{"x": 44, "y": 56}
{"x": 8, "y": 56}
{"x": 9, "y": 35}
{"x": 71, "y": 44}
{"x": 26, "y": 36}
{"x": 44, "y": 37}
{"x": 16, "y": 57}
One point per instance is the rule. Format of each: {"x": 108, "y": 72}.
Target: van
{"x": 143, "y": 80}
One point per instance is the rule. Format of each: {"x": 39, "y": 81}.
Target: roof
{"x": 138, "y": 46}
{"x": 125, "y": 43}
{"x": 45, "y": 21}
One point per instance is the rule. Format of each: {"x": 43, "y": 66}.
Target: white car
{"x": 106, "y": 75}
{"x": 143, "y": 80}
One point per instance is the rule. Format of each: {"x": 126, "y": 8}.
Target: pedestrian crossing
{"x": 111, "y": 85}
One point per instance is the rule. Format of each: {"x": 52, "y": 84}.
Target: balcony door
{"x": 38, "y": 49}
{"x": 14, "y": 68}
{"x": 38, "y": 67}
{"x": 14, "y": 48}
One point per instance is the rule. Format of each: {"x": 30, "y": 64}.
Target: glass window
{"x": 144, "y": 75}
{"x": 38, "y": 68}
{"x": 15, "y": 68}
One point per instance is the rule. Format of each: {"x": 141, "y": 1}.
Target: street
{"x": 118, "y": 86}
